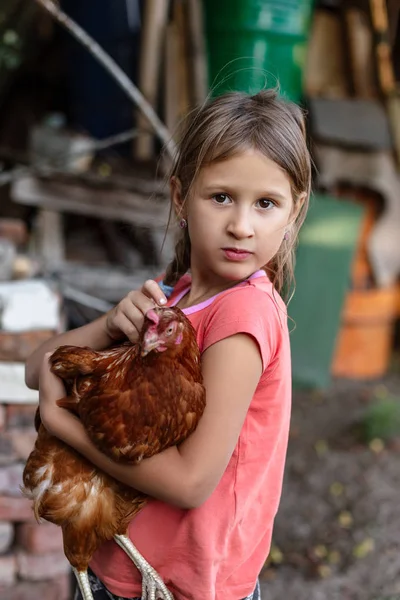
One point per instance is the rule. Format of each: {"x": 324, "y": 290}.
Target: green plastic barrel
{"x": 253, "y": 44}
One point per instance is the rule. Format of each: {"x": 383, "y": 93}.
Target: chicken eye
{"x": 169, "y": 331}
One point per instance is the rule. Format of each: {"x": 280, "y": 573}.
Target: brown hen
{"x": 134, "y": 401}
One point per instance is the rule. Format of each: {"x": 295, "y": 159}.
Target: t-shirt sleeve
{"x": 245, "y": 310}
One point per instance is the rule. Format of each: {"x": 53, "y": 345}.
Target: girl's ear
{"x": 176, "y": 195}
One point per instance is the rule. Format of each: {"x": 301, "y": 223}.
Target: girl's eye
{"x": 221, "y": 198}
{"x": 265, "y": 203}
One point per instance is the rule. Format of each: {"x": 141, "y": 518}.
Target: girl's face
{"x": 237, "y": 215}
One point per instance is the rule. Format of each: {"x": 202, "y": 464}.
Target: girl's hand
{"x": 126, "y": 319}
{"x": 51, "y": 388}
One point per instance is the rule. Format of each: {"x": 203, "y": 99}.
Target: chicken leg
{"x": 83, "y": 582}
{"x": 153, "y": 587}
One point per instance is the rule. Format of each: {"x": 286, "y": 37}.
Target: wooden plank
{"x": 49, "y": 238}
{"x": 153, "y": 31}
{"x": 197, "y": 52}
{"x": 325, "y": 73}
{"x": 361, "y": 52}
{"x": 138, "y": 185}
{"x": 352, "y": 123}
{"x": 387, "y": 80}
{"x": 171, "y": 85}
{"x": 181, "y": 64}
{"x": 108, "y": 283}
{"x": 117, "y": 205}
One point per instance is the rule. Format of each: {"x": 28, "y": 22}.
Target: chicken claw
{"x": 83, "y": 583}
{"x": 153, "y": 587}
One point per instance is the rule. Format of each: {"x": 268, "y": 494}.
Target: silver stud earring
{"x": 183, "y": 223}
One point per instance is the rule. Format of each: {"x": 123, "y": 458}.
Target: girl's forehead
{"x": 249, "y": 168}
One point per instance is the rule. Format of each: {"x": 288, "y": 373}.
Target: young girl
{"x": 239, "y": 189}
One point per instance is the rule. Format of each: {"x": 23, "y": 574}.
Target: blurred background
{"x": 83, "y": 207}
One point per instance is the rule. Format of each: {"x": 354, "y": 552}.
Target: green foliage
{"x": 382, "y": 420}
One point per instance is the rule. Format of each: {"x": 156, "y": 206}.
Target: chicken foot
{"x": 83, "y": 583}
{"x": 153, "y": 587}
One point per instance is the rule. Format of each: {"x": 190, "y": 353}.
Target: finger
{"x": 144, "y": 304}
{"x": 128, "y": 328}
{"x": 137, "y": 301}
{"x": 152, "y": 290}
{"x": 136, "y": 309}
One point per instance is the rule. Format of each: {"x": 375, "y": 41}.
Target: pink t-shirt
{"x": 216, "y": 551}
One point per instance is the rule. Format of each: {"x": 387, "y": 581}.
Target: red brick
{"x": 59, "y": 589}
{"x": 11, "y": 479}
{"x": 8, "y": 570}
{"x": 39, "y": 539}
{"x": 16, "y": 509}
{"x": 6, "y": 536}
{"x": 22, "y": 441}
{"x": 14, "y": 230}
{"x": 21, "y": 415}
{"x": 39, "y": 567}
{"x": 16, "y": 444}
{"x": 18, "y": 346}
{"x": 7, "y": 451}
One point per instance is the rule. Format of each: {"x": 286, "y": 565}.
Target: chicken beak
{"x": 148, "y": 347}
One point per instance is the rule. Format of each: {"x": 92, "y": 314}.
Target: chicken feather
{"x": 134, "y": 401}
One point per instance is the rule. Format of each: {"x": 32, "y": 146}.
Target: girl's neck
{"x": 201, "y": 293}
{"x": 202, "y": 290}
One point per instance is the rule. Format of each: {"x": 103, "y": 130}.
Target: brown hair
{"x": 230, "y": 124}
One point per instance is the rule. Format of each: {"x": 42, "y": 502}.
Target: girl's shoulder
{"x": 254, "y": 308}
{"x": 256, "y": 299}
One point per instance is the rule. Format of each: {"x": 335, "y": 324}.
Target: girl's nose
{"x": 240, "y": 225}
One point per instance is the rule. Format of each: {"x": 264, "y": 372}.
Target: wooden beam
{"x": 116, "y": 205}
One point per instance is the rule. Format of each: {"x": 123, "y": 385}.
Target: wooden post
{"x": 197, "y": 51}
{"x": 380, "y": 23}
{"x": 153, "y": 33}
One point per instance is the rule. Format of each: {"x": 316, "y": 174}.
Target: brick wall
{"x": 32, "y": 562}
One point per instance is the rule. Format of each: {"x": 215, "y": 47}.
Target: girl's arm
{"x": 186, "y": 475}
{"x": 125, "y": 319}
{"x": 94, "y": 335}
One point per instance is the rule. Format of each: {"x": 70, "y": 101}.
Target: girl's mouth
{"x": 236, "y": 254}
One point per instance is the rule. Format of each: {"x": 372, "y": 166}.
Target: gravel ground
{"x": 337, "y": 533}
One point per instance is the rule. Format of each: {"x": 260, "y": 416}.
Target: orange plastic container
{"x": 364, "y": 342}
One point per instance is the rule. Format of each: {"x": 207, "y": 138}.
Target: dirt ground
{"x": 337, "y": 533}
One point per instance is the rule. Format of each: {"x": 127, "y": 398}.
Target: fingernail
{"x": 162, "y": 301}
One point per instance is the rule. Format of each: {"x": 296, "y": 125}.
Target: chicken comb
{"x": 153, "y": 316}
